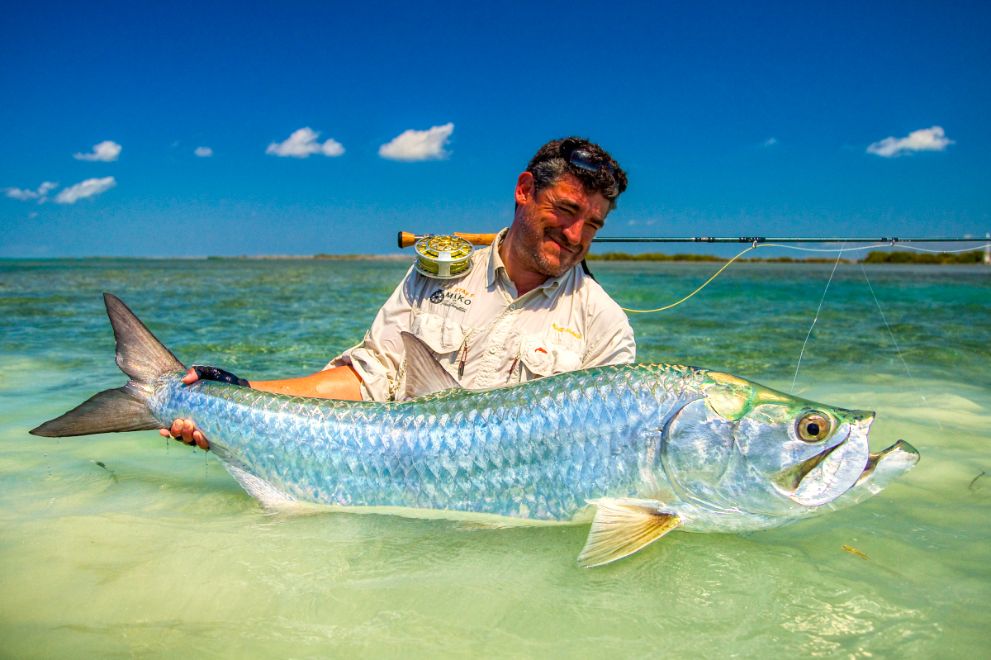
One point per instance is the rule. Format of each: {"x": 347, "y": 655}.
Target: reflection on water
{"x": 158, "y": 552}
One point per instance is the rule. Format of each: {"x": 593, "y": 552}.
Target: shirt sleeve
{"x": 378, "y": 358}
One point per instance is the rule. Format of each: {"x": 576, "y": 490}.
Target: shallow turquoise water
{"x": 158, "y": 552}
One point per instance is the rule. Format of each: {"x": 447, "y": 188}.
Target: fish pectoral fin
{"x": 623, "y": 526}
{"x": 424, "y": 374}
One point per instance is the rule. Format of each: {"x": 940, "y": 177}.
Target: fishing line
{"x": 871, "y": 247}
{"x": 821, "y": 301}
{"x": 702, "y": 286}
{"x": 919, "y": 249}
{"x": 726, "y": 265}
{"x": 898, "y": 350}
{"x": 839, "y": 251}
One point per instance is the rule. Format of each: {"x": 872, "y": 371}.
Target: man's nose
{"x": 573, "y": 232}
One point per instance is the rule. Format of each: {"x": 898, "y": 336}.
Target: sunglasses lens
{"x": 583, "y": 160}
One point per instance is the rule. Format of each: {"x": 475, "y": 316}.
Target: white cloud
{"x": 20, "y": 194}
{"x": 303, "y": 143}
{"x": 106, "y": 151}
{"x": 770, "y": 142}
{"x": 23, "y": 194}
{"x": 415, "y": 145}
{"x": 924, "y": 139}
{"x": 203, "y": 152}
{"x": 84, "y": 189}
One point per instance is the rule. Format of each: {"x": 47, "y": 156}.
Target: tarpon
{"x": 640, "y": 449}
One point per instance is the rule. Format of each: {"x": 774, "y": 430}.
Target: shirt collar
{"x": 495, "y": 261}
{"x": 496, "y": 265}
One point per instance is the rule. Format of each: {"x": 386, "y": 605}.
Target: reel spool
{"x": 443, "y": 257}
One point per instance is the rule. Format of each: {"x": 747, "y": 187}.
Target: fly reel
{"x": 443, "y": 257}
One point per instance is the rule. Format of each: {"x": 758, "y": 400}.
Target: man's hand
{"x": 184, "y": 430}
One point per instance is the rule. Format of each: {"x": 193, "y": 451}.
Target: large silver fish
{"x": 639, "y": 449}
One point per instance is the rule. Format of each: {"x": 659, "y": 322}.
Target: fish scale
{"x": 427, "y": 453}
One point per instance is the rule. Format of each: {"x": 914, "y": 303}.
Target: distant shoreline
{"x": 972, "y": 257}
{"x": 876, "y": 257}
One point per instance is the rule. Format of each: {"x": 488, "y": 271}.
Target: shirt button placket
{"x": 493, "y": 358}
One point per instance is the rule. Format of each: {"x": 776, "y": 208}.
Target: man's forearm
{"x": 337, "y": 383}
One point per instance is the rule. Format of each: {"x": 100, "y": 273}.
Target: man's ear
{"x": 525, "y": 189}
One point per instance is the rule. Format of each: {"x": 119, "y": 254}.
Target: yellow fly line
{"x": 702, "y": 286}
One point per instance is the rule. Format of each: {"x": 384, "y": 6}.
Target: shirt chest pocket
{"x": 544, "y": 357}
{"x": 444, "y": 336}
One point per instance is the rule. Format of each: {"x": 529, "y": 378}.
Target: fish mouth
{"x": 825, "y": 476}
{"x": 836, "y": 471}
{"x": 881, "y": 469}
{"x": 791, "y": 478}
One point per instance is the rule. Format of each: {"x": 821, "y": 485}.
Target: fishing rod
{"x": 774, "y": 239}
{"x": 406, "y": 239}
{"x": 449, "y": 255}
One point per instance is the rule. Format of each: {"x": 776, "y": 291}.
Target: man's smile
{"x": 563, "y": 245}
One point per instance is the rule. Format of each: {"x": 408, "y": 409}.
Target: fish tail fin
{"x": 110, "y": 411}
{"x": 139, "y": 355}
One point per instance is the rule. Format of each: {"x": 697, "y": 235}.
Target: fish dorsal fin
{"x": 139, "y": 354}
{"x": 621, "y": 527}
{"x": 424, "y": 374}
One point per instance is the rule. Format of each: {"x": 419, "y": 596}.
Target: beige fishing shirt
{"x": 485, "y": 335}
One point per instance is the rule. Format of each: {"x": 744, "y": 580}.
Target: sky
{"x": 193, "y": 129}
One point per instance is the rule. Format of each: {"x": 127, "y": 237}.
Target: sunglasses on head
{"x": 584, "y": 160}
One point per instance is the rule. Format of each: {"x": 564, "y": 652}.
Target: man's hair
{"x": 586, "y": 161}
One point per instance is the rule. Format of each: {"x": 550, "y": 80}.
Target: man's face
{"x": 557, "y": 224}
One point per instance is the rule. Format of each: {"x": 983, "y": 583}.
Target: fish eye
{"x": 813, "y": 427}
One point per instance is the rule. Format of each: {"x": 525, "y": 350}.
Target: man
{"x": 526, "y": 308}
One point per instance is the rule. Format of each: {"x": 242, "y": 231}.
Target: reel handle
{"x": 406, "y": 239}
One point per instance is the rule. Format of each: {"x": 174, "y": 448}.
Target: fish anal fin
{"x": 424, "y": 374}
{"x": 268, "y": 495}
{"x": 623, "y": 526}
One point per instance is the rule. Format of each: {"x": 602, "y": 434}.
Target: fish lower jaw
{"x": 697, "y": 517}
{"x": 905, "y": 455}
{"x": 732, "y": 523}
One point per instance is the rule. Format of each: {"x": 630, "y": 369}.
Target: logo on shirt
{"x": 568, "y": 331}
{"x": 455, "y": 297}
